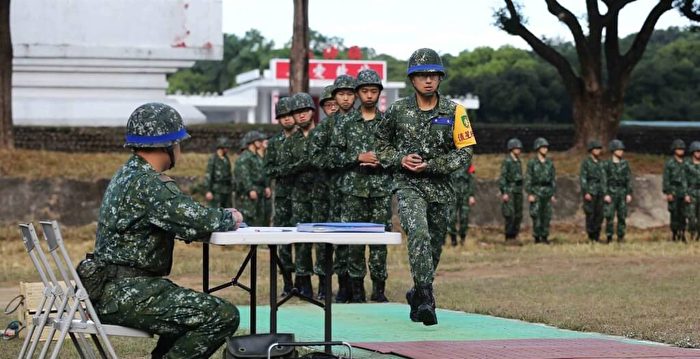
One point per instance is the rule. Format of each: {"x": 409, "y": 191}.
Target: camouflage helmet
{"x": 283, "y": 107}
{"x": 616, "y": 145}
{"x": 425, "y": 60}
{"x": 155, "y": 125}
{"x": 302, "y": 101}
{"x": 593, "y": 144}
{"x": 326, "y": 94}
{"x": 694, "y": 146}
{"x": 223, "y": 142}
{"x": 677, "y": 144}
{"x": 249, "y": 137}
{"x": 343, "y": 82}
{"x": 540, "y": 142}
{"x": 368, "y": 77}
{"x": 514, "y": 143}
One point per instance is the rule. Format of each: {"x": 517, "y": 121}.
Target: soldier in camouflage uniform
{"x": 251, "y": 184}
{"x": 328, "y": 186}
{"x": 266, "y": 214}
{"x": 593, "y": 185}
{"x": 217, "y": 180}
{"x": 540, "y": 185}
{"x": 463, "y": 184}
{"x": 365, "y": 185}
{"x": 300, "y": 166}
{"x": 510, "y": 184}
{"x": 675, "y": 187}
{"x": 693, "y": 176}
{"x": 142, "y": 212}
{"x": 618, "y": 192}
{"x": 274, "y": 165}
{"x": 327, "y": 101}
{"x": 423, "y": 139}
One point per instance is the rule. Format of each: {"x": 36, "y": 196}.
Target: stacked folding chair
{"x": 67, "y": 302}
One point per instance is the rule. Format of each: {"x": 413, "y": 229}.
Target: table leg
{"x": 205, "y": 267}
{"x": 273, "y": 288}
{"x": 328, "y": 333}
{"x": 253, "y": 288}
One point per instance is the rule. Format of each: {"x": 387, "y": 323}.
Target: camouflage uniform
{"x": 443, "y": 138}
{"x": 693, "y": 177}
{"x": 366, "y": 198}
{"x": 282, "y": 194}
{"x": 218, "y": 179}
{"x": 540, "y": 181}
{"x": 619, "y": 185}
{"x": 510, "y": 182}
{"x": 593, "y": 182}
{"x": 250, "y": 176}
{"x": 142, "y": 211}
{"x": 463, "y": 185}
{"x": 675, "y": 183}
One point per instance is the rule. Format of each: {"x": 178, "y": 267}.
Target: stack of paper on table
{"x": 329, "y": 227}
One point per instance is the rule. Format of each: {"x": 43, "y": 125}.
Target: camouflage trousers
{"x": 677, "y": 210}
{"x": 321, "y": 213}
{"x": 693, "y": 215}
{"x": 513, "y": 214}
{"x": 541, "y": 214}
{"x": 425, "y": 224}
{"x": 373, "y": 210}
{"x": 250, "y": 209}
{"x": 221, "y": 200}
{"x": 341, "y": 258}
{"x": 302, "y": 212}
{"x": 189, "y": 324}
{"x": 458, "y": 214}
{"x": 266, "y": 212}
{"x": 594, "y": 215}
{"x": 283, "y": 218}
{"x": 618, "y": 206}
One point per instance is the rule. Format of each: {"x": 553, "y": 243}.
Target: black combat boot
{"x": 378, "y": 292}
{"x": 303, "y": 285}
{"x": 453, "y": 239}
{"x": 414, "y": 306}
{"x": 610, "y": 239}
{"x": 462, "y": 239}
{"x": 343, "y": 295}
{"x": 321, "y": 295}
{"x": 674, "y": 236}
{"x": 620, "y": 239}
{"x": 545, "y": 240}
{"x": 426, "y": 305}
{"x": 288, "y": 284}
{"x": 537, "y": 239}
{"x": 358, "y": 290}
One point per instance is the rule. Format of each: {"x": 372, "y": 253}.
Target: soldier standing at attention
{"x": 423, "y": 139}
{"x": 511, "y": 185}
{"x": 274, "y": 169}
{"x": 675, "y": 186}
{"x": 540, "y": 185}
{"x": 693, "y": 176}
{"x": 142, "y": 212}
{"x": 593, "y": 185}
{"x": 250, "y": 178}
{"x": 618, "y": 193}
{"x": 217, "y": 180}
{"x": 463, "y": 184}
{"x": 343, "y": 93}
{"x": 301, "y": 168}
{"x": 365, "y": 185}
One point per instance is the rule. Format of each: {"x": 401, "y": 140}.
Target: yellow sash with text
{"x": 462, "y": 133}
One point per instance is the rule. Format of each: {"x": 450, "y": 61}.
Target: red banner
{"x": 329, "y": 69}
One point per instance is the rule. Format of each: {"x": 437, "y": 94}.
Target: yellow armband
{"x": 462, "y": 133}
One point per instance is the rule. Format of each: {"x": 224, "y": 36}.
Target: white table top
{"x": 289, "y": 235}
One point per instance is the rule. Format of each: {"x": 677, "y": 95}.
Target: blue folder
{"x": 330, "y": 227}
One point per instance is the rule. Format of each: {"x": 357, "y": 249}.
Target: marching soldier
{"x": 618, "y": 192}
{"x": 693, "y": 176}
{"x": 251, "y": 183}
{"x": 540, "y": 185}
{"x": 463, "y": 184}
{"x": 675, "y": 185}
{"x": 217, "y": 179}
{"x": 511, "y": 185}
{"x": 423, "y": 139}
{"x": 275, "y": 170}
{"x": 592, "y": 179}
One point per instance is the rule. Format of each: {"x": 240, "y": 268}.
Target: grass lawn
{"x": 645, "y": 288}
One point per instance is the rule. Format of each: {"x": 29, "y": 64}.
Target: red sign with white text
{"x": 329, "y": 69}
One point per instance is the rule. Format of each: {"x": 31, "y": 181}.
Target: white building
{"x": 92, "y": 62}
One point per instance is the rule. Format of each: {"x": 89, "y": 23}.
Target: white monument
{"x": 92, "y": 62}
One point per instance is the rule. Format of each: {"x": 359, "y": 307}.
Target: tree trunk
{"x": 6, "y": 137}
{"x": 299, "y": 62}
{"x": 594, "y": 119}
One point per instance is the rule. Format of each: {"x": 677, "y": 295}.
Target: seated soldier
{"x": 142, "y": 212}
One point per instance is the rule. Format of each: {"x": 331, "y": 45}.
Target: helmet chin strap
{"x": 171, "y": 154}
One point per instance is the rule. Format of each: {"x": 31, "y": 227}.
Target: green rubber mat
{"x": 389, "y": 322}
